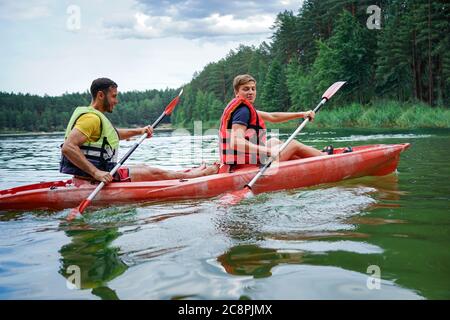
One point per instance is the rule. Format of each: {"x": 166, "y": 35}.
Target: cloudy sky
{"x": 52, "y": 47}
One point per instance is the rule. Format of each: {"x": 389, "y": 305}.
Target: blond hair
{"x": 241, "y": 80}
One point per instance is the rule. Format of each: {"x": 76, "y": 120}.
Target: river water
{"x": 370, "y": 238}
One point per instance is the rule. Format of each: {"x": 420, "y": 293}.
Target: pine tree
{"x": 275, "y": 95}
{"x": 300, "y": 86}
{"x": 285, "y": 44}
{"x": 344, "y": 57}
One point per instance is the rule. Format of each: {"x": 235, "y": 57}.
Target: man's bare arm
{"x": 276, "y": 117}
{"x": 128, "y": 133}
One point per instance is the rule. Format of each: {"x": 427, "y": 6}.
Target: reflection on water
{"x": 251, "y": 260}
{"x": 99, "y": 262}
{"x": 313, "y": 243}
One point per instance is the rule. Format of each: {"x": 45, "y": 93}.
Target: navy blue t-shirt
{"x": 241, "y": 116}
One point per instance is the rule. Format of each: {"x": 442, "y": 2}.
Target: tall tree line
{"x": 25, "y": 112}
{"x": 406, "y": 60}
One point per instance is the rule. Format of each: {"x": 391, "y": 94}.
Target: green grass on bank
{"x": 382, "y": 114}
{"x": 387, "y": 114}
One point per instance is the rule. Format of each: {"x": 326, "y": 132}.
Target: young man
{"x": 91, "y": 145}
{"x": 243, "y": 130}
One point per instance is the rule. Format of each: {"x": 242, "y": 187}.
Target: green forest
{"x": 398, "y": 73}
{"x": 24, "y": 112}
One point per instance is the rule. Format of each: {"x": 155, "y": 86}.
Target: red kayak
{"x": 372, "y": 160}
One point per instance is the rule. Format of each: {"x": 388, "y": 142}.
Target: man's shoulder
{"x": 89, "y": 117}
{"x": 242, "y": 108}
{"x": 89, "y": 124}
{"x": 241, "y": 115}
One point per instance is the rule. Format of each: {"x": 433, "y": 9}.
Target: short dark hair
{"x": 101, "y": 84}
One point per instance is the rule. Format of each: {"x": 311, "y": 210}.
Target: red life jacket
{"x": 255, "y": 133}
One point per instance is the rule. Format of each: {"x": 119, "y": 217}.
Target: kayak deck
{"x": 372, "y": 160}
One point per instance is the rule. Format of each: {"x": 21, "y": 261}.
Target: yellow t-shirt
{"x": 90, "y": 125}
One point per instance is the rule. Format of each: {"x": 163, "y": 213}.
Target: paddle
{"x": 246, "y": 192}
{"x": 75, "y": 212}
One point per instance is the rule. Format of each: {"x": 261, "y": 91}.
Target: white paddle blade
{"x": 333, "y": 89}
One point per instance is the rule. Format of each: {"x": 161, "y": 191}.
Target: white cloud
{"x": 287, "y": 2}
{"x": 215, "y": 25}
{"x": 228, "y": 24}
{"x": 195, "y": 9}
{"x": 194, "y": 19}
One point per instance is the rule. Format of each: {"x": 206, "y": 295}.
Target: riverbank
{"x": 382, "y": 114}
{"x": 162, "y": 127}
